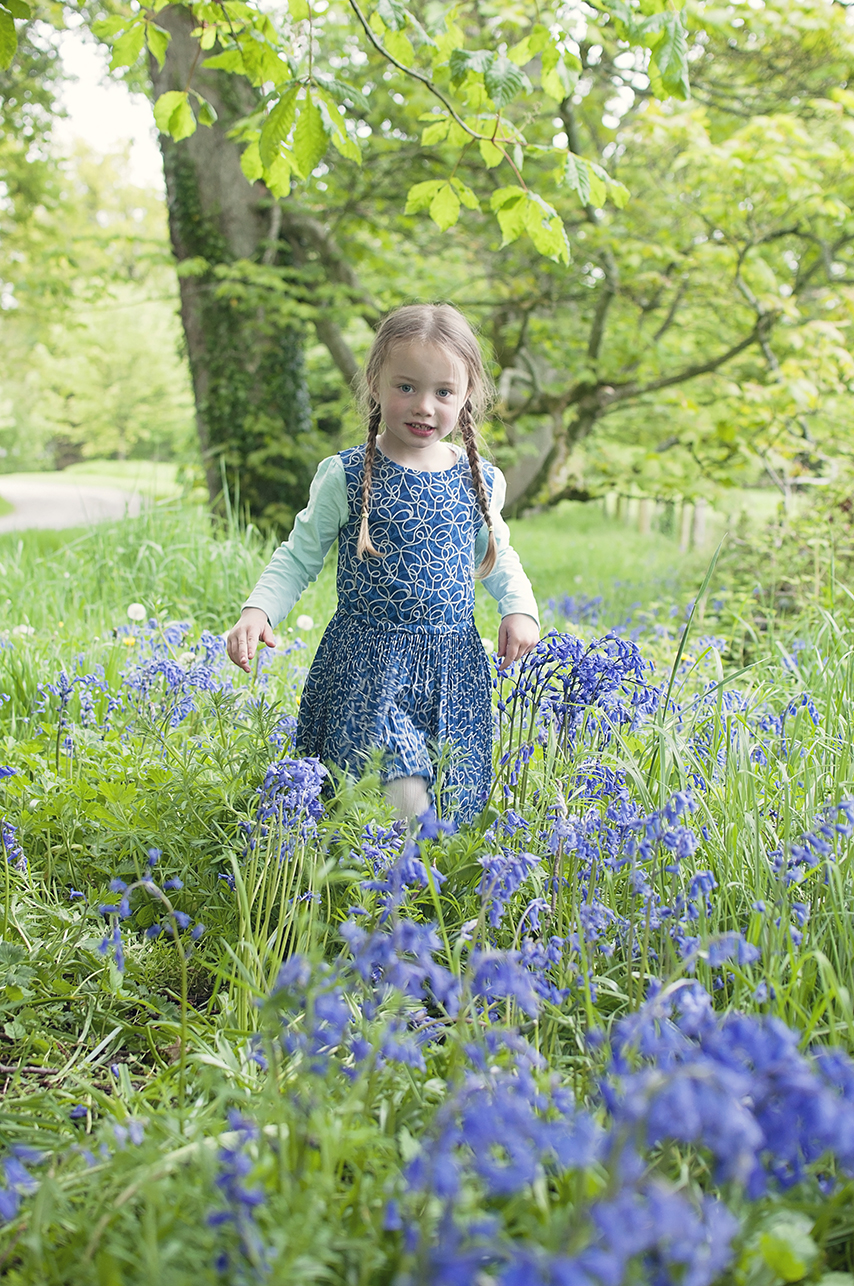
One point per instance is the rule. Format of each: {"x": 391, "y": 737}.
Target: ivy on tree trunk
{"x": 244, "y": 342}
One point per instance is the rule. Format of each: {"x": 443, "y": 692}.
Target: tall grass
{"x": 644, "y": 836}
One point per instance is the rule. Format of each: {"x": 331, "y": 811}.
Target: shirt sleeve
{"x": 507, "y": 582}
{"x": 298, "y": 561}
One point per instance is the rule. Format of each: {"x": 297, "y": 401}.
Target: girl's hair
{"x": 443, "y": 325}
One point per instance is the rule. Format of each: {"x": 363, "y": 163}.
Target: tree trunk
{"x": 245, "y": 351}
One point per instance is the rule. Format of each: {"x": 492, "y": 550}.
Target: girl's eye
{"x": 444, "y": 392}
{"x": 405, "y": 388}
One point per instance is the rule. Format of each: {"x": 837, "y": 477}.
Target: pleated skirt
{"x": 420, "y": 697}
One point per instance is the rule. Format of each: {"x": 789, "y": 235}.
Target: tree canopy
{"x": 664, "y": 279}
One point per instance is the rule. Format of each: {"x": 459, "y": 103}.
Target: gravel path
{"x": 63, "y": 504}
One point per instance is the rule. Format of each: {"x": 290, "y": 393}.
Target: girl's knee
{"x": 408, "y": 796}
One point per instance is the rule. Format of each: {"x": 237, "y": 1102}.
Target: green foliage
{"x": 90, "y": 360}
{"x": 294, "y": 133}
{"x": 331, "y": 1149}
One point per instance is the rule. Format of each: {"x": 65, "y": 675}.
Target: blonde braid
{"x": 466, "y": 427}
{"x": 364, "y": 545}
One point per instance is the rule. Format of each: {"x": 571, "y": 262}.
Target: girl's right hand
{"x": 242, "y": 641}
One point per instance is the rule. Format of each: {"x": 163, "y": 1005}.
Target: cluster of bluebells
{"x": 164, "y": 680}
{"x": 735, "y": 1085}
{"x": 576, "y": 609}
{"x": 17, "y": 1165}
{"x": 776, "y": 725}
{"x": 404, "y": 868}
{"x": 393, "y": 984}
{"x": 508, "y": 1128}
{"x": 817, "y": 846}
{"x": 240, "y": 1202}
{"x": 10, "y": 848}
{"x": 18, "y": 1181}
{"x": 289, "y": 805}
{"x": 171, "y": 924}
{"x": 736, "y": 1088}
{"x": 89, "y": 687}
{"x": 167, "y": 686}
{"x": 565, "y": 689}
{"x": 608, "y": 832}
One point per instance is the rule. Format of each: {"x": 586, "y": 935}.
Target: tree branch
{"x": 303, "y": 228}
{"x": 623, "y": 391}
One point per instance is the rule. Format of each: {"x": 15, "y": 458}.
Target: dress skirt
{"x": 422, "y": 697}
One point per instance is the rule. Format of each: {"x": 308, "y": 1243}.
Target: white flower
{"x": 23, "y": 629}
{"x": 187, "y": 659}
{"x": 305, "y": 623}
{"x": 488, "y": 645}
{"x": 137, "y": 612}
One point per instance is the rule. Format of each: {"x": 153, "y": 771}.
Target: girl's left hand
{"x": 517, "y": 636}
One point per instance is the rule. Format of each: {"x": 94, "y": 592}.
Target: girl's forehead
{"x": 428, "y": 362}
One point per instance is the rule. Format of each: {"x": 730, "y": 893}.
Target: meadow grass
{"x": 251, "y": 1033}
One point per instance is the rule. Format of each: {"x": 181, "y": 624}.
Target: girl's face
{"x": 421, "y": 391}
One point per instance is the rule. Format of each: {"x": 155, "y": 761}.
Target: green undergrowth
{"x": 148, "y": 763}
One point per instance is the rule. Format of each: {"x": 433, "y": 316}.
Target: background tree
{"x": 694, "y": 334}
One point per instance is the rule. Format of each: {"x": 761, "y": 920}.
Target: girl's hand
{"x": 242, "y": 642}
{"x": 517, "y": 636}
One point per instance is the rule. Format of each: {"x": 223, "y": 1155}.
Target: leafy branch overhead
{"x": 484, "y": 98}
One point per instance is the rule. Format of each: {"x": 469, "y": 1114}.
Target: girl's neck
{"x": 438, "y": 459}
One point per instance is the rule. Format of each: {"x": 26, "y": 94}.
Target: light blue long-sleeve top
{"x": 297, "y": 562}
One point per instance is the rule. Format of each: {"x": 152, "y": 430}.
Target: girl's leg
{"x": 408, "y": 796}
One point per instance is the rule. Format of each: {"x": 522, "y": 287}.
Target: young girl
{"x": 401, "y": 666}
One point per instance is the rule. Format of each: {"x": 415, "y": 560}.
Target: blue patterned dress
{"x": 401, "y": 666}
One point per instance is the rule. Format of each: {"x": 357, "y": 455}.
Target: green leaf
{"x": 174, "y": 115}
{"x": 393, "y": 14}
{"x": 230, "y": 60}
{"x": 491, "y": 154}
{"x": 504, "y": 80}
{"x": 463, "y": 61}
{"x": 17, "y": 8}
{"x": 299, "y": 10}
{"x": 670, "y": 53}
{"x": 8, "y": 39}
{"x": 165, "y": 106}
{"x": 310, "y": 139}
{"x": 576, "y": 175}
{"x": 400, "y": 47}
{"x": 347, "y": 146}
{"x": 468, "y": 198}
{"x": 342, "y": 90}
{"x": 420, "y": 195}
{"x": 278, "y": 125}
{"x": 128, "y": 47}
{"x": 509, "y": 207}
{"x": 445, "y": 207}
{"x": 106, "y": 28}
{"x": 207, "y": 112}
{"x": 250, "y": 162}
{"x": 333, "y": 123}
{"x": 534, "y": 43}
{"x": 559, "y": 81}
{"x": 278, "y": 176}
{"x": 261, "y": 62}
{"x": 157, "y": 40}
{"x": 787, "y": 1248}
{"x": 545, "y": 228}
{"x": 435, "y": 133}
{"x": 182, "y": 122}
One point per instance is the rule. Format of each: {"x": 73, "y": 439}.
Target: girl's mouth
{"x": 420, "y": 430}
